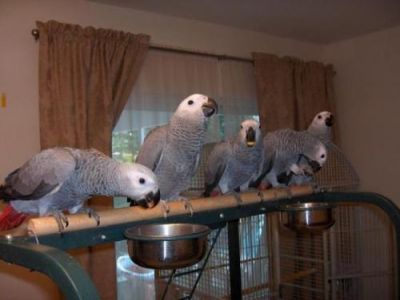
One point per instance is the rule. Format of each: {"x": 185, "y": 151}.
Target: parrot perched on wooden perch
{"x": 288, "y": 153}
{"x": 173, "y": 150}
{"x": 232, "y": 164}
{"x": 62, "y": 179}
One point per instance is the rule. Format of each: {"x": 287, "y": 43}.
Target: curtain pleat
{"x": 290, "y": 92}
{"x": 85, "y": 78}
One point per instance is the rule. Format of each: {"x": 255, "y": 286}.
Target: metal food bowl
{"x": 167, "y": 246}
{"x": 307, "y": 216}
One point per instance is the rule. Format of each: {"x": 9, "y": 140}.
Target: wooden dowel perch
{"x": 48, "y": 225}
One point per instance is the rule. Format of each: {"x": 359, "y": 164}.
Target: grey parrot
{"x": 289, "y": 152}
{"x": 62, "y": 179}
{"x": 321, "y": 128}
{"x": 233, "y": 164}
{"x": 173, "y": 150}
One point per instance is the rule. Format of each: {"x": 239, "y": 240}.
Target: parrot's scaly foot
{"x": 90, "y": 212}
{"x": 93, "y": 214}
{"x": 238, "y": 198}
{"x": 288, "y": 191}
{"x": 61, "y": 219}
{"x": 188, "y": 205}
{"x": 164, "y": 208}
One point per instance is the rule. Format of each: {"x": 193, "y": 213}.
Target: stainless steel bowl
{"x": 307, "y": 216}
{"x": 167, "y": 246}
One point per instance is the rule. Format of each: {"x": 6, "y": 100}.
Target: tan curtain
{"x": 85, "y": 78}
{"x": 290, "y": 92}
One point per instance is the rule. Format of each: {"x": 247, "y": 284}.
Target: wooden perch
{"x": 48, "y": 225}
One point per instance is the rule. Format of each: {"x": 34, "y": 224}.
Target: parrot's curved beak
{"x": 329, "y": 121}
{"x": 149, "y": 201}
{"x": 250, "y": 137}
{"x": 210, "y": 107}
{"x": 315, "y": 165}
{"x": 284, "y": 178}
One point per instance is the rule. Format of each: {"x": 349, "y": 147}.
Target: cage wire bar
{"x": 49, "y": 257}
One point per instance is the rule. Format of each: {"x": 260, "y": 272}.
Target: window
{"x": 167, "y": 78}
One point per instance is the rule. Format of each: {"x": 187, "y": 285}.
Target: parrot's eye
{"x": 259, "y": 127}
{"x": 323, "y": 156}
{"x": 241, "y": 127}
{"x": 142, "y": 180}
{"x": 190, "y": 102}
{"x": 319, "y": 117}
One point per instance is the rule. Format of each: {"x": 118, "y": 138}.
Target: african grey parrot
{"x": 321, "y": 128}
{"x": 173, "y": 150}
{"x": 232, "y": 164}
{"x": 289, "y": 152}
{"x": 60, "y": 179}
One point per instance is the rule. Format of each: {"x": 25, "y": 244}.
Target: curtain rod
{"x": 36, "y": 35}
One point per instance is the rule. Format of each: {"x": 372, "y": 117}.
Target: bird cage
{"x": 276, "y": 262}
{"x": 340, "y": 263}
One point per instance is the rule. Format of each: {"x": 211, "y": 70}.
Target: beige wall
{"x": 367, "y": 87}
{"x": 19, "y": 122}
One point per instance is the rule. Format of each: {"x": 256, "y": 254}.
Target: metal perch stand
{"x": 49, "y": 257}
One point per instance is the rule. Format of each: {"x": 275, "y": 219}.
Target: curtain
{"x": 290, "y": 92}
{"x": 85, "y": 78}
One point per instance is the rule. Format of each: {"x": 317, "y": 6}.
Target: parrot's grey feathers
{"x": 217, "y": 159}
{"x": 59, "y": 179}
{"x": 8, "y": 193}
{"x": 234, "y": 164}
{"x": 151, "y": 151}
{"x": 37, "y": 177}
{"x": 321, "y": 126}
{"x": 266, "y": 166}
{"x": 290, "y": 151}
{"x": 173, "y": 150}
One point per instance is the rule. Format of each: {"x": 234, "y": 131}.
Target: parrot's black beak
{"x": 250, "y": 137}
{"x": 284, "y": 178}
{"x": 210, "y": 107}
{"x": 149, "y": 201}
{"x": 315, "y": 165}
{"x": 329, "y": 121}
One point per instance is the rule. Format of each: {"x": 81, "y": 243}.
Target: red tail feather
{"x": 10, "y": 218}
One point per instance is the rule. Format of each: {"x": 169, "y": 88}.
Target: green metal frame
{"x": 62, "y": 268}
{"x": 49, "y": 257}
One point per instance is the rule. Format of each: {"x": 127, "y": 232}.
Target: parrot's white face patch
{"x": 320, "y": 119}
{"x": 192, "y": 106}
{"x": 321, "y": 155}
{"x": 141, "y": 181}
{"x": 250, "y": 132}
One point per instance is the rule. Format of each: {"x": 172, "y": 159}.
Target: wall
{"x": 367, "y": 87}
{"x": 19, "y": 121}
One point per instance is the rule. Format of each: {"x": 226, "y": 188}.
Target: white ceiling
{"x": 317, "y": 21}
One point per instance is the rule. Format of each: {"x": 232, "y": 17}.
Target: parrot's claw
{"x": 188, "y": 206}
{"x": 164, "y": 208}
{"x": 289, "y": 192}
{"x": 93, "y": 214}
{"x": 62, "y": 221}
{"x": 238, "y": 198}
